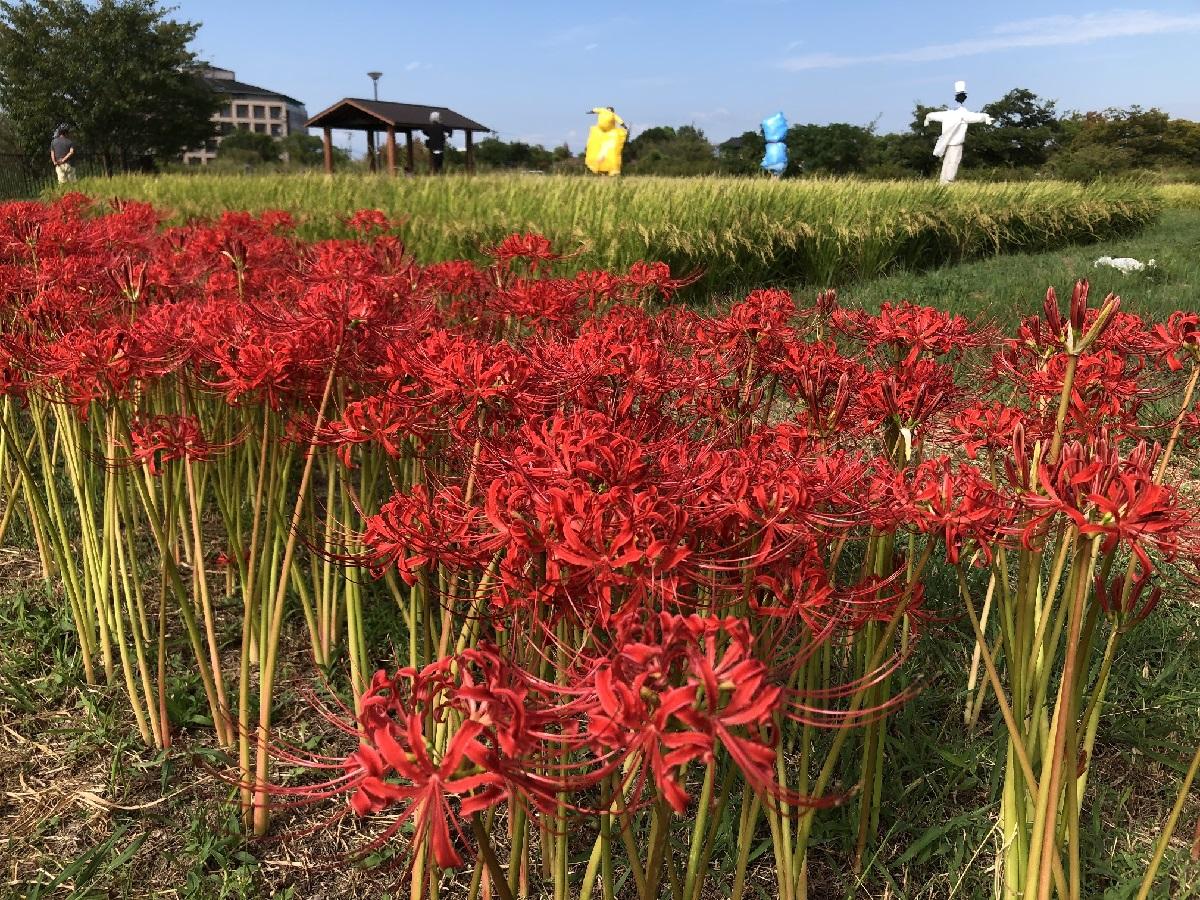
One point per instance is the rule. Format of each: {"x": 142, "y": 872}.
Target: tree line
{"x": 1029, "y": 138}
{"x": 121, "y": 73}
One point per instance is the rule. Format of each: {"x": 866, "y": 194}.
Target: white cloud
{"x": 1049, "y": 31}
{"x": 412, "y": 66}
{"x": 711, "y": 115}
{"x": 590, "y": 47}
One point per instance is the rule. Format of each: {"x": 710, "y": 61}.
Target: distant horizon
{"x": 720, "y": 65}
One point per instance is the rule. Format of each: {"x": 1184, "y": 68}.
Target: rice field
{"x": 738, "y": 232}
{"x": 1180, "y": 196}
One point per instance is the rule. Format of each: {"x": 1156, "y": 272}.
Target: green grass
{"x": 741, "y": 232}
{"x": 1006, "y": 288}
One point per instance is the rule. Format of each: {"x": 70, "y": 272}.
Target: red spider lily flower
{"x": 960, "y": 505}
{"x": 821, "y": 377}
{"x": 761, "y": 318}
{"x": 379, "y": 421}
{"x": 534, "y": 249}
{"x": 1117, "y": 499}
{"x": 738, "y": 703}
{"x": 1125, "y": 333}
{"x": 826, "y": 303}
{"x": 987, "y": 425}
{"x": 423, "y": 530}
{"x": 541, "y": 302}
{"x": 89, "y": 364}
{"x": 1175, "y": 340}
{"x": 395, "y": 766}
{"x": 158, "y": 440}
{"x": 465, "y": 377}
{"x": 645, "y": 280}
{"x": 12, "y": 378}
{"x": 909, "y": 331}
{"x": 600, "y": 287}
{"x": 453, "y": 278}
{"x": 909, "y": 395}
{"x": 1126, "y": 606}
{"x": 635, "y": 721}
{"x": 366, "y": 222}
{"x": 1082, "y": 326}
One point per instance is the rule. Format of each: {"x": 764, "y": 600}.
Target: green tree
{"x": 1023, "y": 135}
{"x": 493, "y": 153}
{"x": 306, "y": 150}
{"x": 1118, "y": 140}
{"x": 118, "y": 71}
{"x": 244, "y": 145}
{"x": 910, "y": 152}
{"x": 10, "y": 143}
{"x": 741, "y": 155}
{"x": 664, "y": 150}
{"x": 834, "y": 149}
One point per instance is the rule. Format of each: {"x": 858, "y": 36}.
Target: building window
{"x": 276, "y": 112}
{"x": 243, "y": 110}
{"x": 260, "y": 112}
{"x": 243, "y": 126}
{"x": 276, "y": 129}
{"x": 226, "y": 128}
{"x": 210, "y": 146}
{"x": 227, "y": 111}
{"x": 260, "y": 127}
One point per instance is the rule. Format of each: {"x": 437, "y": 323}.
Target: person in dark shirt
{"x": 435, "y": 142}
{"x": 62, "y": 152}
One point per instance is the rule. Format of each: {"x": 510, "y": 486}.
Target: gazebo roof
{"x": 361, "y": 115}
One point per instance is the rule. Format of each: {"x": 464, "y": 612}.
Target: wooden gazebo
{"x": 353, "y": 114}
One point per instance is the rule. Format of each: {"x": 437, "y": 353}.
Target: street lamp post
{"x": 374, "y": 76}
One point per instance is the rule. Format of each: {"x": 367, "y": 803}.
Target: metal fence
{"x": 19, "y": 180}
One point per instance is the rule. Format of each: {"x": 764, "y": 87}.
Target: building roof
{"x": 241, "y": 89}
{"x": 354, "y": 113}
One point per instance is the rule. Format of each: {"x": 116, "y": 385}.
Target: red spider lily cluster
{"x": 642, "y": 561}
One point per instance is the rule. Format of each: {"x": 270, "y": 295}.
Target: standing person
{"x": 62, "y": 151}
{"x": 435, "y": 142}
{"x": 954, "y": 132}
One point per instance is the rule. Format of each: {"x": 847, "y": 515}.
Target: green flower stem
{"x": 1169, "y": 827}
{"x": 275, "y": 621}
{"x": 39, "y": 512}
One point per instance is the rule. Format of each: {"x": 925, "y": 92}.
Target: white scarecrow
{"x": 954, "y": 131}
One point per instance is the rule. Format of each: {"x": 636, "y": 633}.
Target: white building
{"x": 250, "y": 108}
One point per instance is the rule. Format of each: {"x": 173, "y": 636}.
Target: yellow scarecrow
{"x": 606, "y": 140}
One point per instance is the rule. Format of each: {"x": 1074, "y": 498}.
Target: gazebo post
{"x": 380, "y": 118}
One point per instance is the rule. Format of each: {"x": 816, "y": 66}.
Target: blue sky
{"x": 531, "y": 69}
